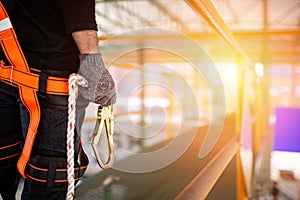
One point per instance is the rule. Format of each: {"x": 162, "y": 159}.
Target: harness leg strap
{"x": 50, "y": 173}
{"x": 10, "y": 148}
{"x": 30, "y": 100}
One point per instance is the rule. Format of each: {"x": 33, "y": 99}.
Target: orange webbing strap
{"x": 28, "y": 95}
{"x": 54, "y": 85}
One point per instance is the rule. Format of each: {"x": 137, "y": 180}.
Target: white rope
{"x": 74, "y": 81}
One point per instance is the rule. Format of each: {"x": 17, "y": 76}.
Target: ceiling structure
{"x": 251, "y": 22}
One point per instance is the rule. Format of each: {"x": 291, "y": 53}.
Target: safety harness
{"x": 29, "y": 82}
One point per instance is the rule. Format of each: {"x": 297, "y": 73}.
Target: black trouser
{"x": 50, "y": 141}
{"x": 10, "y": 127}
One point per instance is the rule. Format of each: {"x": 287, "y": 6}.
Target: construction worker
{"x": 57, "y": 38}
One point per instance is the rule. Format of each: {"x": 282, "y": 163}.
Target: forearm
{"x": 86, "y": 41}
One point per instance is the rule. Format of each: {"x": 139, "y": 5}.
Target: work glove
{"x": 101, "y": 86}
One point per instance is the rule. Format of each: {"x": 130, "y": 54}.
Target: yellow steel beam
{"x": 130, "y": 61}
{"x": 201, "y": 35}
{"x": 240, "y": 180}
{"x": 206, "y": 9}
{"x": 202, "y": 184}
{"x": 241, "y": 187}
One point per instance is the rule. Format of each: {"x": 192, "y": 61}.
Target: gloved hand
{"x": 101, "y": 86}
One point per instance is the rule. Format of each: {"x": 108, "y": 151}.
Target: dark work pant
{"x": 10, "y": 127}
{"x": 50, "y": 141}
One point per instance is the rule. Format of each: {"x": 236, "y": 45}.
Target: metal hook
{"x": 105, "y": 118}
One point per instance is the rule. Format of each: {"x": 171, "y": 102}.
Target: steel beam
{"x": 132, "y": 13}
{"x": 202, "y": 184}
{"x": 201, "y": 35}
{"x": 285, "y": 15}
{"x": 169, "y": 14}
{"x": 114, "y": 22}
{"x": 206, "y": 9}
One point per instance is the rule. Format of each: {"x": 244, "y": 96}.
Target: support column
{"x": 241, "y": 187}
{"x": 143, "y": 94}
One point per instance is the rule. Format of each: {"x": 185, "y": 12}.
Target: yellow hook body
{"x": 105, "y": 118}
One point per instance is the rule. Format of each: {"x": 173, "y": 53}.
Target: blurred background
{"x": 205, "y": 88}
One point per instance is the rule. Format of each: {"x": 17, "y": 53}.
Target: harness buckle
{"x": 42, "y": 90}
{"x": 2, "y": 64}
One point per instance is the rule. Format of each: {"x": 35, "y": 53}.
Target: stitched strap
{"x": 53, "y": 85}
{"x": 51, "y": 172}
{"x": 10, "y": 148}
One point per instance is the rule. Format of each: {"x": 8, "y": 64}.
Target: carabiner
{"x": 105, "y": 118}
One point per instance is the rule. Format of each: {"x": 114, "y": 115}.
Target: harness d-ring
{"x": 105, "y": 119}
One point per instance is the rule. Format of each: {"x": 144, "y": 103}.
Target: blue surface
{"x": 287, "y": 129}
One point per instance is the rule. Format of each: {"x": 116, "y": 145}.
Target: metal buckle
{"x": 105, "y": 118}
{"x": 2, "y": 64}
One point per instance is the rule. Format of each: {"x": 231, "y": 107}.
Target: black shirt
{"x": 44, "y": 28}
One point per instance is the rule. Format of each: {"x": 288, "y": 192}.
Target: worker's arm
{"x": 86, "y": 41}
{"x": 101, "y": 86}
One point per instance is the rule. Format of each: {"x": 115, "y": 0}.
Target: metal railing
{"x": 200, "y": 187}
{"x": 202, "y": 184}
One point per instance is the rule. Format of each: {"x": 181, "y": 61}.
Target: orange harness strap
{"x": 54, "y": 85}
{"x": 27, "y": 83}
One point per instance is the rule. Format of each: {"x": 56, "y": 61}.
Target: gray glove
{"x": 101, "y": 86}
